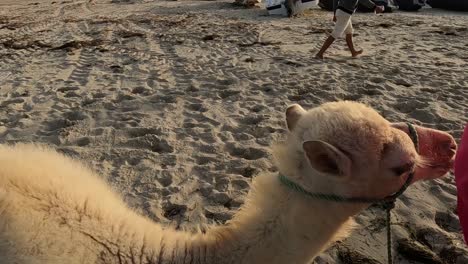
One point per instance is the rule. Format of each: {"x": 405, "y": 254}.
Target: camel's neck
{"x": 280, "y": 225}
{"x": 275, "y": 225}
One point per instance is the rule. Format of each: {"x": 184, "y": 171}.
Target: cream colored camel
{"x": 55, "y": 210}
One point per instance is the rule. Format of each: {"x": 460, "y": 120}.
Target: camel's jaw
{"x": 433, "y": 171}
{"x": 437, "y": 149}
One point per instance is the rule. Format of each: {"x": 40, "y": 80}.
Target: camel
{"x": 53, "y": 209}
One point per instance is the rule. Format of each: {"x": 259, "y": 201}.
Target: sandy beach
{"x": 176, "y": 103}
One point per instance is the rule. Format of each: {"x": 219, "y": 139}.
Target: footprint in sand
{"x": 142, "y": 131}
{"x": 415, "y": 251}
{"x": 12, "y": 101}
{"x": 67, "y": 89}
{"x": 83, "y": 141}
{"x": 448, "y": 221}
{"x": 77, "y": 115}
{"x": 228, "y": 93}
{"x": 4, "y": 76}
{"x": 441, "y": 243}
{"x": 197, "y": 107}
{"x": 173, "y": 211}
{"x": 248, "y": 153}
{"x": 141, "y": 90}
{"x": 152, "y": 142}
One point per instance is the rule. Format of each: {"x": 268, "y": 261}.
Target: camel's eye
{"x": 400, "y": 170}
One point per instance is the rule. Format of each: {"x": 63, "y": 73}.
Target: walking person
{"x": 343, "y": 10}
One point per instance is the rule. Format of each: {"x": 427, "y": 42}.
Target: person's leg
{"x": 291, "y": 7}
{"x": 342, "y": 20}
{"x": 349, "y": 40}
{"x": 325, "y": 46}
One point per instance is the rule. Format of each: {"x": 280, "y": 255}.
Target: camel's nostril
{"x": 449, "y": 144}
{"x": 452, "y": 153}
{"x": 453, "y": 146}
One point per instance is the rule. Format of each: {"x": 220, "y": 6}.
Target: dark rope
{"x": 391, "y": 204}
{"x": 387, "y": 203}
{"x": 388, "y": 206}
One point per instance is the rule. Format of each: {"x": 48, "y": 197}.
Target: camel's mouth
{"x": 447, "y": 166}
{"x": 434, "y": 170}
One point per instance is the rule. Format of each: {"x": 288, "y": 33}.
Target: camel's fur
{"x": 55, "y": 210}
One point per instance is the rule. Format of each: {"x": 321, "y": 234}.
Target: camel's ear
{"x": 327, "y": 159}
{"x": 293, "y": 113}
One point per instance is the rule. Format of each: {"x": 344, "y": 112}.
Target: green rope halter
{"x": 387, "y": 203}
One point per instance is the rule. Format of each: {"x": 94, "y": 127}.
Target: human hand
{"x": 379, "y": 9}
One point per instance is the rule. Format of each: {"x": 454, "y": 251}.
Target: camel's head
{"x": 349, "y": 149}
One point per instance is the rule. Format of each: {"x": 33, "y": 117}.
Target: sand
{"x": 176, "y": 103}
